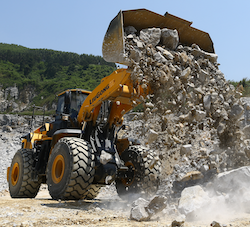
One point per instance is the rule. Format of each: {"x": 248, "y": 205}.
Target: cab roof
{"x": 75, "y": 90}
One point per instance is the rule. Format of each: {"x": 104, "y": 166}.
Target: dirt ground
{"x": 111, "y": 211}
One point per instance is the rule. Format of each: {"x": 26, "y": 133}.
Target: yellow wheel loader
{"x": 79, "y": 152}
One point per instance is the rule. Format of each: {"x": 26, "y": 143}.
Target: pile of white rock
{"x": 191, "y": 103}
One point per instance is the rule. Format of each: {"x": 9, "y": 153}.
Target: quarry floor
{"x": 106, "y": 210}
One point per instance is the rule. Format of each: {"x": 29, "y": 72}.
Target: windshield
{"x": 77, "y": 99}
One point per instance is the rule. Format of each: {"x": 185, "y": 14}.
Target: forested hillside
{"x": 50, "y": 71}
{"x": 243, "y": 86}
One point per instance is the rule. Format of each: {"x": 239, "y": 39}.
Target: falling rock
{"x": 164, "y": 78}
{"x": 149, "y": 105}
{"x": 105, "y": 157}
{"x": 169, "y": 38}
{"x": 135, "y": 55}
{"x": 246, "y": 131}
{"x": 165, "y": 53}
{"x": 184, "y": 58}
{"x": 186, "y": 117}
{"x": 199, "y": 115}
{"x": 159, "y": 58}
{"x": 197, "y": 52}
{"x": 211, "y": 56}
{"x": 185, "y": 73}
{"x": 236, "y": 111}
{"x": 156, "y": 205}
{"x": 152, "y": 136}
{"x": 139, "y": 44}
{"x": 199, "y": 91}
{"x": 203, "y": 75}
{"x": 192, "y": 199}
{"x": 193, "y": 175}
{"x": 221, "y": 128}
{"x": 130, "y": 36}
{"x": 177, "y": 140}
{"x": 247, "y": 151}
{"x": 138, "y": 211}
{"x": 186, "y": 149}
{"x": 204, "y": 168}
{"x": 151, "y": 35}
{"x": 207, "y": 102}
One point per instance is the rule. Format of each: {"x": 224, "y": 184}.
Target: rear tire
{"x": 20, "y": 183}
{"x": 70, "y": 169}
{"x": 143, "y": 179}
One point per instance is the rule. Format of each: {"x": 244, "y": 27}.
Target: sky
{"x": 79, "y": 26}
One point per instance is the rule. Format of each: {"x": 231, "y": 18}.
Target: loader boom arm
{"x": 117, "y": 88}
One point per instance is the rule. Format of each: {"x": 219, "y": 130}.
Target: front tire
{"x": 143, "y": 175}
{"x": 70, "y": 169}
{"x": 93, "y": 191}
{"x": 20, "y": 183}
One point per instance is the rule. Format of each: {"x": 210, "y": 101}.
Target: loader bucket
{"x": 113, "y": 43}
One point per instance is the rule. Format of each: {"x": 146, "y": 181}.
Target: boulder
{"x": 152, "y": 136}
{"x": 138, "y": 211}
{"x": 169, "y": 38}
{"x": 203, "y": 76}
{"x": 185, "y": 73}
{"x": 192, "y": 199}
{"x": 233, "y": 180}
{"x": 193, "y": 175}
{"x": 207, "y": 102}
{"x": 246, "y": 131}
{"x": 159, "y": 57}
{"x": 130, "y": 30}
{"x": 199, "y": 115}
{"x": 151, "y": 35}
{"x": 236, "y": 111}
{"x": 156, "y": 205}
{"x": 165, "y": 53}
{"x": 143, "y": 210}
{"x": 186, "y": 149}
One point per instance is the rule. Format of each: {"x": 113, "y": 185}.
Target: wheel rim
{"x": 129, "y": 180}
{"x": 58, "y": 168}
{"x": 15, "y": 174}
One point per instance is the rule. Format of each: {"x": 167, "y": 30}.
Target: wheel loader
{"x": 79, "y": 152}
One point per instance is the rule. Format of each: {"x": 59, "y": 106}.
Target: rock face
{"x": 14, "y": 100}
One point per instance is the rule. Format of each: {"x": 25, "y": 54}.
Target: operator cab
{"x": 68, "y": 106}
{"x": 70, "y": 102}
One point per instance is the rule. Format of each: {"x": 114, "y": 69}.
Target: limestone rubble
{"x": 191, "y": 103}
{"x": 194, "y": 119}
